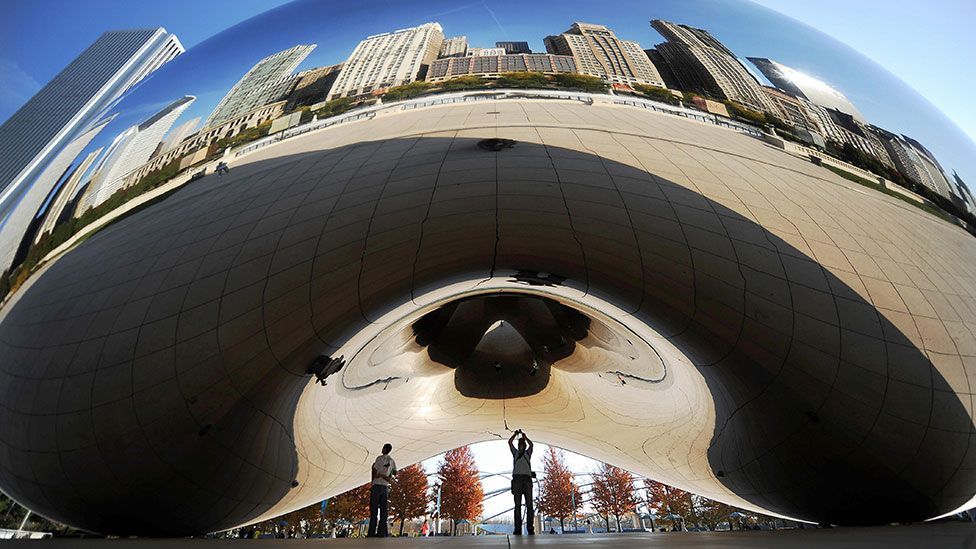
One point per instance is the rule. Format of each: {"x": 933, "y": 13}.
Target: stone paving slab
{"x": 927, "y": 536}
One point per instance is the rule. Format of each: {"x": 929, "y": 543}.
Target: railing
{"x": 471, "y": 96}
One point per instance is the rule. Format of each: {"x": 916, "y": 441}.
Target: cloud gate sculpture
{"x": 662, "y": 288}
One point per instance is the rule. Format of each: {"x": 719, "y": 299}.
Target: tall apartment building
{"x": 178, "y": 134}
{"x": 269, "y": 80}
{"x": 790, "y": 106}
{"x": 194, "y": 147}
{"x": 485, "y": 52}
{"x": 312, "y": 86}
{"x": 57, "y": 207}
{"x": 130, "y": 150}
{"x": 841, "y": 128}
{"x": 670, "y": 80}
{"x": 496, "y": 65}
{"x": 701, "y": 63}
{"x": 389, "y": 59}
{"x": 964, "y": 193}
{"x": 456, "y": 46}
{"x": 917, "y": 163}
{"x": 37, "y": 141}
{"x": 598, "y": 52}
{"x": 802, "y": 85}
{"x": 512, "y": 48}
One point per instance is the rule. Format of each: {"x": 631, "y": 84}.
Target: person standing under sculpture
{"x": 522, "y": 482}
{"x": 379, "y": 493}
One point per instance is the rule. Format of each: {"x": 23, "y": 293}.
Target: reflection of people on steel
{"x": 425, "y": 529}
{"x": 222, "y": 168}
{"x": 522, "y": 481}
{"x": 379, "y": 493}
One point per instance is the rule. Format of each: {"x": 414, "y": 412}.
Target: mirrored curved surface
{"x": 697, "y": 240}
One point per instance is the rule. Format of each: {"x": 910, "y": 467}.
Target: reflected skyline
{"x": 893, "y": 111}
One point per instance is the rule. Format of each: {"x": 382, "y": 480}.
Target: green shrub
{"x": 582, "y": 82}
{"x": 407, "y": 91}
{"x": 336, "y": 107}
{"x": 523, "y": 80}
{"x": 658, "y": 94}
{"x": 464, "y": 83}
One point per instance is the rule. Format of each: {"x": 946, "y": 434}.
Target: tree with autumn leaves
{"x": 559, "y": 496}
{"x": 462, "y": 494}
{"x": 612, "y": 493}
{"x": 352, "y": 506}
{"x": 408, "y": 494}
{"x": 668, "y": 501}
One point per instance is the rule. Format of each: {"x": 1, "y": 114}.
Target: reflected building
{"x": 54, "y": 212}
{"x": 598, "y": 52}
{"x": 701, "y": 63}
{"x": 178, "y": 134}
{"x": 670, "y": 80}
{"x": 456, "y": 46}
{"x": 389, "y": 59}
{"x": 801, "y": 85}
{"x": 485, "y": 52}
{"x": 792, "y": 109}
{"x": 841, "y": 128}
{"x": 269, "y": 80}
{"x": 312, "y": 86}
{"x": 130, "y": 150}
{"x": 918, "y": 164}
{"x": 494, "y": 66}
{"x": 514, "y": 47}
{"x": 195, "y": 148}
{"x": 860, "y": 135}
{"x": 34, "y": 139}
{"x": 963, "y": 191}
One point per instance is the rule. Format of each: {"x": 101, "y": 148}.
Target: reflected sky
{"x": 209, "y": 69}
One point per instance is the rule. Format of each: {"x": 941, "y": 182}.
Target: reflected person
{"x": 522, "y": 476}
{"x": 379, "y": 493}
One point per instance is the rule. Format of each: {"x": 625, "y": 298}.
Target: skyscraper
{"x": 130, "y": 150}
{"x": 485, "y": 52}
{"x": 703, "y": 64}
{"x": 512, "y": 48}
{"x": 35, "y": 138}
{"x": 179, "y": 133}
{"x": 389, "y": 59}
{"x": 58, "y": 204}
{"x": 798, "y": 84}
{"x": 456, "y": 46}
{"x": 493, "y": 66}
{"x": 312, "y": 86}
{"x": 269, "y": 80}
{"x": 598, "y": 52}
{"x": 915, "y": 161}
{"x": 963, "y": 191}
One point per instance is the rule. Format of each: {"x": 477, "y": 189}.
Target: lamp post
{"x": 438, "y": 510}
{"x": 572, "y": 493}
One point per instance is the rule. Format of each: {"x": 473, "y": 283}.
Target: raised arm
{"x": 528, "y": 443}
{"x": 511, "y": 441}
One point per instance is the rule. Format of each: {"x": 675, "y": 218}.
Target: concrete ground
{"x": 945, "y": 535}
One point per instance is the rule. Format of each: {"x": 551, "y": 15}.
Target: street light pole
{"x": 438, "y": 487}
{"x": 572, "y": 493}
